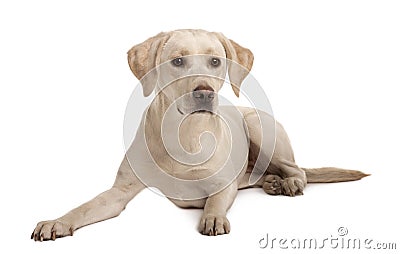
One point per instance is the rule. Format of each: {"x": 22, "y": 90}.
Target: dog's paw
{"x": 50, "y": 230}
{"x": 291, "y": 186}
{"x": 272, "y": 185}
{"x": 214, "y": 225}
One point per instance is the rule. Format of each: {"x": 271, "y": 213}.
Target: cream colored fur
{"x": 283, "y": 176}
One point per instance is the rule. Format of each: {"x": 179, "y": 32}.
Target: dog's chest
{"x": 194, "y": 149}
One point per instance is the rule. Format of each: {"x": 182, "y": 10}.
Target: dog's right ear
{"x": 144, "y": 57}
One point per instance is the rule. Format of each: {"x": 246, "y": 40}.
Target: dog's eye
{"x": 215, "y": 62}
{"x": 177, "y": 61}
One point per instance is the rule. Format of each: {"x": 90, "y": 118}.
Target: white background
{"x": 331, "y": 70}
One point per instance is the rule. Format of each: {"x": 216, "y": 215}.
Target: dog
{"x": 195, "y": 151}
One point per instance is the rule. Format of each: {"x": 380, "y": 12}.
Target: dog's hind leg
{"x": 284, "y": 177}
{"x": 281, "y": 176}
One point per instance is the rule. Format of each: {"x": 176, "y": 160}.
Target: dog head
{"x": 189, "y": 67}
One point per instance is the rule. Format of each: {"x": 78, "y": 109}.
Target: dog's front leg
{"x": 105, "y": 206}
{"x": 214, "y": 221}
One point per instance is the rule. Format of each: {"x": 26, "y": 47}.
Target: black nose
{"x": 203, "y": 94}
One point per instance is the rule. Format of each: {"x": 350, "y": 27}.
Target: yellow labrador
{"x": 172, "y": 151}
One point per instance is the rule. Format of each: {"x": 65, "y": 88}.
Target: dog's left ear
{"x": 241, "y": 62}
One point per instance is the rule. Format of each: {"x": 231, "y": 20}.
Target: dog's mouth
{"x": 196, "y": 111}
{"x": 179, "y": 110}
{"x": 202, "y": 111}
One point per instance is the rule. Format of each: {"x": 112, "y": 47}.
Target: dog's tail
{"x": 332, "y": 175}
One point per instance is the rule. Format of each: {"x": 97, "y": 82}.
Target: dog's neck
{"x": 164, "y": 121}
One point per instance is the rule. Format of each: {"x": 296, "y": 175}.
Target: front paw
{"x": 214, "y": 225}
{"x": 50, "y": 230}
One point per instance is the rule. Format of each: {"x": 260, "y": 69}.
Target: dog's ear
{"x": 144, "y": 57}
{"x": 241, "y": 61}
